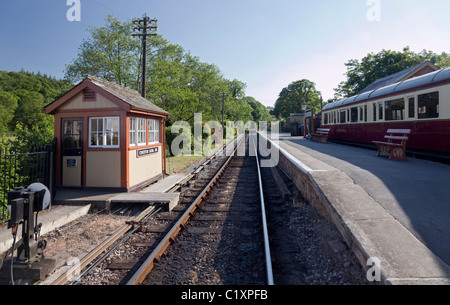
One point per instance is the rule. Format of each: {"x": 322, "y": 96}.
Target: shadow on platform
{"x": 415, "y": 192}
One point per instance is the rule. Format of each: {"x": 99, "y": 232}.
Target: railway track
{"x": 128, "y": 247}
{"x": 216, "y": 236}
{"x": 224, "y": 242}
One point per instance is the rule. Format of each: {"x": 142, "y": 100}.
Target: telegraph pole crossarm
{"x": 147, "y": 28}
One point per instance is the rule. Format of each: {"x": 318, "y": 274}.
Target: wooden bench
{"x": 321, "y": 135}
{"x": 395, "y": 147}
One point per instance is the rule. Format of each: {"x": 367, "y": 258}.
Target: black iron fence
{"x": 22, "y": 167}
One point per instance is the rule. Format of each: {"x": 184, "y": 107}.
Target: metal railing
{"x": 22, "y": 167}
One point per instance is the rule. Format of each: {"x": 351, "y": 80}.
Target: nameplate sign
{"x": 71, "y": 163}
{"x": 147, "y": 151}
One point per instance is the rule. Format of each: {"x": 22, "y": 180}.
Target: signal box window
{"x": 138, "y": 132}
{"x": 153, "y": 131}
{"x": 104, "y": 132}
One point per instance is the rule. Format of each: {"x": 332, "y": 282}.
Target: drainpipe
{"x": 164, "y": 146}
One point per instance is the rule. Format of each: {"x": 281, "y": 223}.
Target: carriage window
{"x": 354, "y": 114}
{"x": 395, "y": 110}
{"x": 381, "y": 111}
{"x": 365, "y": 113}
{"x": 342, "y": 117}
{"x": 411, "y": 111}
{"x": 428, "y": 105}
{"x": 325, "y": 119}
{"x": 374, "y": 112}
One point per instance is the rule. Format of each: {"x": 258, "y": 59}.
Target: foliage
{"x": 291, "y": 98}
{"x": 361, "y": 74}
{"x": 176, "y": 80}
{"x": 259, "y": 112}
{"x": 22, "y": 97}
{"x": 8, "y": 104}
{"x": 110, "y": 53}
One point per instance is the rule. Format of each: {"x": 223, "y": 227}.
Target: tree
{"x": 386, "y": 62}
{"x": 110, "y": 53}
{"x": 291, "y": 98}
{"x": 29, "y": 111}
{"x": 176, "y": 80}
{"x": 259, "y": 112}
{"x": 22, "y": 97}
{"x": 8, "y": 103}
{"x": 444, "y": 62}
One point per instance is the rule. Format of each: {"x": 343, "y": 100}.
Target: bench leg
{"x": 320, "y": 139}
{"x": 383, "y": 150}
{"x": 397, "y": 153}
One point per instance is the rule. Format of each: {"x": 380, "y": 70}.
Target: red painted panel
{"x": 425, "y": 135}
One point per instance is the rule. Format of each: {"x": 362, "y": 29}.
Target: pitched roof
{"x": 398, "y": 77}
{"x": 132, "y": 99}
{"x": 127, "y": 95}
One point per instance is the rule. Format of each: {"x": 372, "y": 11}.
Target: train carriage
{"x": 421, "y": 104}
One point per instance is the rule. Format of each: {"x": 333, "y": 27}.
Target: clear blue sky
{"x": 266, "y": 44}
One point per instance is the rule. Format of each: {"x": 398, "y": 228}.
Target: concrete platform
{"x": 56, "y": 217}
{"x": 103, "y": 200}
{"x": 165, "y": 184}
{"x": 70, "y": 205}
{"x": 395, "y": 211}
{"x": 169, "y": 199}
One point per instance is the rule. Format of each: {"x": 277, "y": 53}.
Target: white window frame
{"x": 132, "y": 135}
{"x": 138, "y": 132}
{"x": 153, "y": 129}
{"x": 141, "y": 133}
{"x": 104, "y": 132}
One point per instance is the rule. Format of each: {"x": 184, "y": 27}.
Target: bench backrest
{"x": 323, "y": 130}
{"x": 399, "y": 131}
{"x": 398, "y": 134}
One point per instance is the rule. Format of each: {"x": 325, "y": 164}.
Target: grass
{"x": 182, "y": 164}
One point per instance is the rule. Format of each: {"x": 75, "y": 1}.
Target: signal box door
{"x": 72, "y": 152}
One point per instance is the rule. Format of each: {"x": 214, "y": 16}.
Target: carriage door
{"x": 72, "y": 152}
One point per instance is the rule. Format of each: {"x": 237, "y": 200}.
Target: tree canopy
{"x": 176, "y": 80}
{"x": 291, "y": 98}
{"x": 22, "y": 97}
{"x": 109, "y": 53}
{"x": 362, "y": 73}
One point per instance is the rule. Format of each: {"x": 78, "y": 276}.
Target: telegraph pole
{"x": 147, "y": 28}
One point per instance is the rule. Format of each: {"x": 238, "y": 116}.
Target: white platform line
{"x": 303, "y": 167}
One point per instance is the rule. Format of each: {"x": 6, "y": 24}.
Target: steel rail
{"x": 140, "y": 275}
{"x": 202, "y": 165}
{"x": 119, "y": 243}
{"x": 269, "y": 270}
{"x": 71, "y": 273}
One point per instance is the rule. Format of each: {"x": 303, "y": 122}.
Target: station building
{"x": 108, "y": 137}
